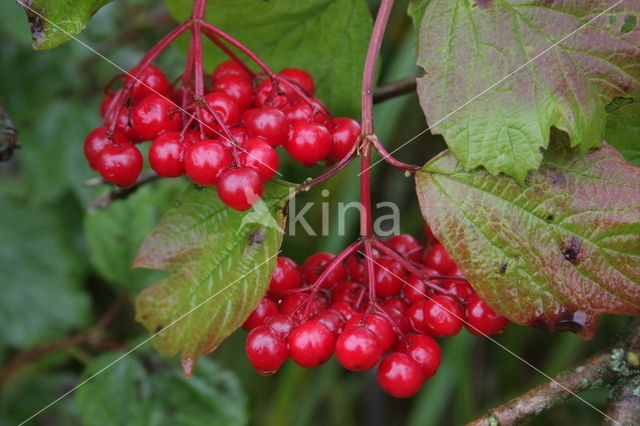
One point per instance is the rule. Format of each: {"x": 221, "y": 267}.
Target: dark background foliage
{"x": 63, "y": 263}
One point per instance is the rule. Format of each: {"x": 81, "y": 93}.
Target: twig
{"x": 104, "y": 201}
{"x": 624, "y": 405}
{"x": 397, "y": 88}
{"x": 91, "y": 336}
{"x": 605, "y": 367}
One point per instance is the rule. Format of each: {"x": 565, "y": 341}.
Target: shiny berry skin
{"x": 124, "y": 124}
{"x": 259, "y": 155}
{"x": 438, "y": 259}
{"x": 399, "y": 375}
{"x": 226, "y": 110}
{"x": 416, "y": 313}
{"x": 389, "y": 277}
{"x": 280, "y": 98}
{"x": 347, "y": 311}
{"x": 119, "y": 164}
{"x": 395, "y": 303}
{"x": 315, "y": 264}
{"x": 281, "y": 324}
{"x": 166, "y": 155}
{"x": 399, "y": 318}
{"x": 265, "y": 309}
{"x": 266, "y": 350}
{"x": 237, "y": 88}
{"x": 344, "y": 134}
{"x": 311, "y": 344}
{"x": 407, "y": 246}
{"x": 230, "y": 68}
{"x": 349, "y": 292}
{"x": 297, "y": 305}
{"x": 285, "y": 276}
{"x": 426, "y": 352}
{"x": 457, "y": 289}
{"x": 97, "y": 140}
{"x": 151, "y": 81}
{"x": 358, "y": 349}
{"x": 378, "y": 326}
{"x": 308, "y": 143}
{"x": 205, "y": 161}
{"x": 443, "y": 316}
{"x": 415, "y": 289}
{"x": 356, "y": 265}
{"x": 269, "y": 124}
{"x": 302, "y": 111}
{"x": 240, "y": 135}
{"x": 428, "y": 234}
{"x": 154, "y": 115}
{"x": 300, "y": 77}
{"x": 240, "y": 188}
{"x": 481, "y": 320}
{"x": 331, "y": 319}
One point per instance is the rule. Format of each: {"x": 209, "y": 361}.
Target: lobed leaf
{"x": 555, "y": 253}
{"x": 494, "y": 85}
{"x": 219, "y": 262}
{"x": 55, "y": 22}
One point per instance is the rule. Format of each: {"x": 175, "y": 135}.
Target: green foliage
{"x": 328, "y": 38}
{"x": 40, "y": 274}
{"x": 554, "y": 254}
{"x": 623, "y": 132}
{"x": 114, "y": 234}
{"x": 495, "y": 111}
{"x": 53, "y": 23}
{"x": 155, "y": 393}
{"x": 219, "y": 266}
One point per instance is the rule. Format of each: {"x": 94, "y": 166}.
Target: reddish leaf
{"x": 554, "y": 253}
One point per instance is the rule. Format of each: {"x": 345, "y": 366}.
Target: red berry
{"x": 166, "y": 155}
{"x": 459, "y": 289}
{"x": 399, "y": 318}
{"x": 300, "y": 77}
{"x": 237, "y": 88}
{"x": 259, "y": 155}
{"x": 358, "y": 349}
{"x": 344, "y": 134}
{"x": 154, "y": 115}
{"x": 205, "y": 161}
{"x": 443, "y": 316}
{"x": 120, "y": 164}
{"x": 428, "y": 234}
{"x": 285, "y": 276}
{"x": 240, "y": 188}
{"x": 240, "y": 135}
{"x": 281, "y": 324}
{"x": 231, "y": 68}
{"x": 266, "y": 350}
{"x": 481, "y": 320}
{"x": 226, "y": 110}
{"x": 415, "y": 288}
{"x": 356, "y": 265}
{"x": 346, "y": 310}
{"x": 268, "y": 96}
{"x": 106, "y": 103}
{"x": 349, "y": 292}
{"x": 151, "y": 81}
{"x": 395, "y": 303}
{"x": 97, "y": 140}
{"x": 264, "y": 310}
{"x": 311, "y": 344}
{"x": 269, "y": 124}
{"x": 438, "y": 259}
{"x": 296, "y": 306}
{"x": 426, "y": 352}
{"x": 378, "y": 326}
{"x": 313, "y": 267}
{"x": 417, "y": 314}
{"x": 399, "y": 375}
{"x": 407, "y": 246}
{"x": 308, "y": 143}
{"x": 302, "y": 111}
{"x": 389, "y": 277}
{"x": 331, "y": 319}
{"x": 125, "y": 125}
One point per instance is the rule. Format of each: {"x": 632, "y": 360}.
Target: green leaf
{"x": 623, "y": 132}
{"x": 468, "y": 48}
{"x": 55, "y": 22}
{"x": 555, "y": 253}
{"x": 219, "y": 261}
{"x": 126, "y": 393}
{"x": 114, "y": 234}
{"x": 328, "y": 38}
{"x": 40, "y": 279}
{"x": 416, "y": 10}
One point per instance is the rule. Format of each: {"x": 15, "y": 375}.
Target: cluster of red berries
{"x": 226, "y": 138}
{"x": 309, "y": 321}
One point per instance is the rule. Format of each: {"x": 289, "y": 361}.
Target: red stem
{"x": 337, "y": 168}
{"x": 110, "y": 120}
{"x": 392, "y": 161}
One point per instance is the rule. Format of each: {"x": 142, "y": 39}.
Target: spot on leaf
{"x": 630, "y": 22}
{"x": 617, "y": 103}
{"x": 571, "y": 251}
